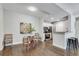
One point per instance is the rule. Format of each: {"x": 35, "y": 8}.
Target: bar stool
{"x": 72, "y": 46}
{"x": 72, "y": 43}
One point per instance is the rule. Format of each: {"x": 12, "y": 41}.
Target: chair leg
{"x": 76, "y": 44}
{"x": 68, "y": 47}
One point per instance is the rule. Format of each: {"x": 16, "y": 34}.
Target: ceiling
{"x": 45, "y": 10}
{"x": 72, "y": 8}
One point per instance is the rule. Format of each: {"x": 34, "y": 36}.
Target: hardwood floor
{"x": 43, "y": 49}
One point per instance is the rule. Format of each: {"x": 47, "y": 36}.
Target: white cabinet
{"x": 61, "y": 26}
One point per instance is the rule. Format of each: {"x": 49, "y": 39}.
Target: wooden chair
{"x": 8, "y": 39}
{"x": 33, "y": 42}
{"x": 26, "y": 43}
{"x": 29, "y": 42}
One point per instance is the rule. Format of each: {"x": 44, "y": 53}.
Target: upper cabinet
{"x": 61, "y": 26}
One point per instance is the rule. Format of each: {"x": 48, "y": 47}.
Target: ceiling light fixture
{"x": 32, "y": 8}
{"x": 51, "y": 18}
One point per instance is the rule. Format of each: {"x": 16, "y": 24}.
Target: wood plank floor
{"x": 43, "y": 49}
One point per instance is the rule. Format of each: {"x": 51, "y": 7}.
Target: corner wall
{"x": 1, "y": 27}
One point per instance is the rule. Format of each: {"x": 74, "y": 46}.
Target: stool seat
{"x": 72, "y": 43}
{"x": 72, "y": 38}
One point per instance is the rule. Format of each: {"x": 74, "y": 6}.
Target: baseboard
{"x": 1, "y": 48}
{"x": 14, "y": 44}
{"x": 59, "y": 50}
{"x": 17, "y": 43}
{"x": 59, "y": 46}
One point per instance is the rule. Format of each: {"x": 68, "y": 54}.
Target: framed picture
{"x": 25, "y": 28}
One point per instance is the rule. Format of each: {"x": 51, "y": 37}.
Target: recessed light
{"x": 52, "y": 18}
{"x": 32, "y": 8}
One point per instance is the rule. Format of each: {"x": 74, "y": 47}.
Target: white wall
{"x": 12, "y": 24}
{"x": 1, "y": 27}
{"x": 59, "y": 40}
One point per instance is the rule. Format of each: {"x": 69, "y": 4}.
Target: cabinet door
{"x": 61, "y": 26}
